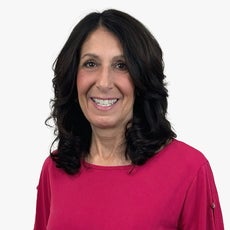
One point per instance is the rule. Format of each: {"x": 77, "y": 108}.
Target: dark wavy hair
{"x": 149, "y": 129}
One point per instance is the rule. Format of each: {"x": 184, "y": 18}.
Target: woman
{"x": 118, "y": 164}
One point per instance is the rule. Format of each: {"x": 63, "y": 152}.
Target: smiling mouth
{"x": 105, "y": 102}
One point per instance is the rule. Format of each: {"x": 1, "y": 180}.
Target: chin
{"x": 105, "y": 124}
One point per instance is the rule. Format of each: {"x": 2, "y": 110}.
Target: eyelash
{"x": 88, "y": 64}
{"x": 119, "y": 65}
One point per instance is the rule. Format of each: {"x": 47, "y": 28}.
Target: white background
{"x": 194, "y": 36}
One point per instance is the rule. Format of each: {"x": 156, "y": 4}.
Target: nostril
{"x": 104, "y": 83}
{"x": 104, "y": 87}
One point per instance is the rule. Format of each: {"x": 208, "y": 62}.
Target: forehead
{"x": 102, "y": 40}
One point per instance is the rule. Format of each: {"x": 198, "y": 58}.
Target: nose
{"x": 104, "y": 79}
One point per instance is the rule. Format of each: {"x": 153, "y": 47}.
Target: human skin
{"x": 106, "y": 96}
{"x": 105, "y": 88}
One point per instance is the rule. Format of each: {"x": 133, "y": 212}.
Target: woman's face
{"x": 105, "y": 88}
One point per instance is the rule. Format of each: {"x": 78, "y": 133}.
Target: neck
{"x": 107, "y": 148}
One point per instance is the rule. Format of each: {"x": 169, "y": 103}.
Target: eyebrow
{"x": 90, "y": 55}
{"x": 97, "y": 57}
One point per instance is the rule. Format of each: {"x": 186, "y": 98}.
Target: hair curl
{"x": 149, "y": 129}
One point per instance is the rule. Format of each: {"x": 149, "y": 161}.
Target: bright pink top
{"x": 174, "y": 190}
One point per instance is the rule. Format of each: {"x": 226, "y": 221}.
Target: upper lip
{"x": 105, "y": 98}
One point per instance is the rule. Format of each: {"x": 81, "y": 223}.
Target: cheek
{"x": 82, "y": 83}
{"x": 128, "y": 87}
{"x": 82, "y": 89}
{"x": 79, "y": 81}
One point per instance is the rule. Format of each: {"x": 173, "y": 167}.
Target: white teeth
{"x": 107, "y": 102}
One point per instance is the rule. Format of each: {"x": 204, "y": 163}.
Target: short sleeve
{"x": 201, "y": 210}
{"x": 43, "y": 198}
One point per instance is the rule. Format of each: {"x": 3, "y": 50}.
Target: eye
{"x": 90, "y": 64}
{"x": 120, "y": 65}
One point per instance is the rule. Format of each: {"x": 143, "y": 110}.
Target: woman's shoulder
{"x": 182, "y": 148}
{"x": 48, "y": 162}
{"x": 182, "y": 154}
